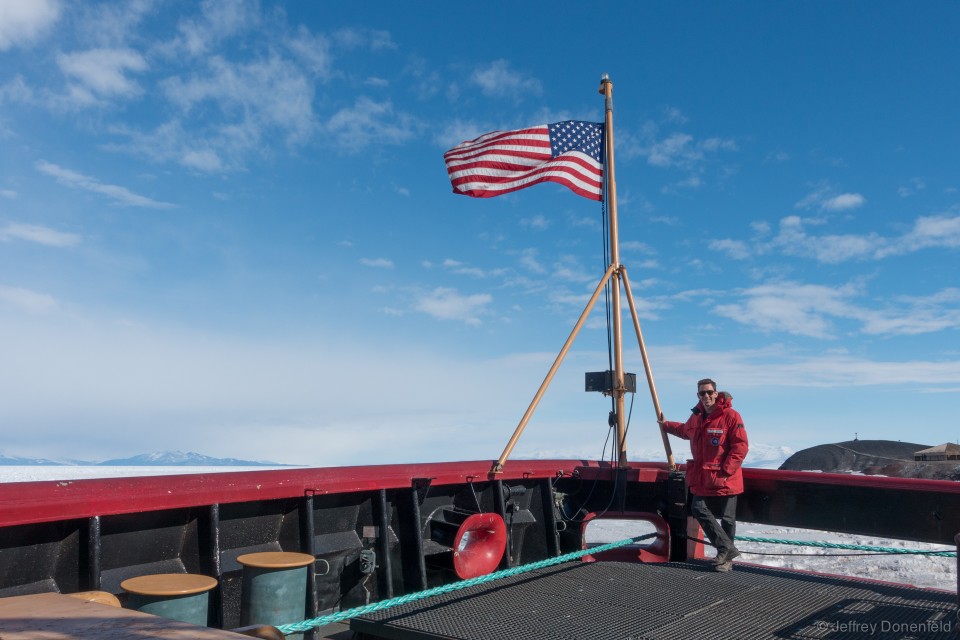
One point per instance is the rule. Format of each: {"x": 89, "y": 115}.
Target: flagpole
{"x": 610, "y": 194}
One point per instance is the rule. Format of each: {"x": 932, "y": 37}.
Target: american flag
{"x": 568, "y": 153}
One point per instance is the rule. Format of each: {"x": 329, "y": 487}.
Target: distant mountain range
{"x": 157, "y": 459}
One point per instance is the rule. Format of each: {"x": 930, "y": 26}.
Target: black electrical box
{"x": 603, "y": 381}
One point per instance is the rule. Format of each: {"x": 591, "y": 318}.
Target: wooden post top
{"x": 168, "y": 584}
{"x": 275, "y": 559}
{"x": 102, "y": 597}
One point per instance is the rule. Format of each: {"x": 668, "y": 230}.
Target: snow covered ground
{"x": 920, "y": 571}
{"x": 65, "y": 472}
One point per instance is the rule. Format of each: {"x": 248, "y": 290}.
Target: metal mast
{"x": 610, "y": 193}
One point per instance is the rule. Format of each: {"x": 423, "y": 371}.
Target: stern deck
{"x": 632, "y": 601}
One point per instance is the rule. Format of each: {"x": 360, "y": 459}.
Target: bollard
{"x": 274, "y": 589}
{"x": 177, "y": 596}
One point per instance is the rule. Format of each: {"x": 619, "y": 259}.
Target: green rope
{"x": 306, "y": 625}
{"x": 340, "y": 616}
{"x": 855, "y": 547}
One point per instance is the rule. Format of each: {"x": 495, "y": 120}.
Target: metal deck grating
{"x": 627, "y": 601}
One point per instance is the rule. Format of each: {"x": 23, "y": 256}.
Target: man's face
{"x": 708, "y": 396}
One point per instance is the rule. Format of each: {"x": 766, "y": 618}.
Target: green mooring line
{"x": 340, "y": 616}
{"x": 855, "y": 547}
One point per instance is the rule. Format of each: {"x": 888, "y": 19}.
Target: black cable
{"x": 603, "y": 453}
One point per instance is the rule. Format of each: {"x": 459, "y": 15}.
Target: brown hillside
{"x": 872, "y": 457}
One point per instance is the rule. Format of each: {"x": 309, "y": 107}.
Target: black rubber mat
{"x": 673, "y": 601}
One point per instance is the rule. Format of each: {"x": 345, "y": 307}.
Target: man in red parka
{"x": 718, "y": 443}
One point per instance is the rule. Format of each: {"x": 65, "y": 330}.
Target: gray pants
{"x": 707, "y": 510}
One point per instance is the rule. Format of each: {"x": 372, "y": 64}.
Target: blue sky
{"x": 226, "y": 227}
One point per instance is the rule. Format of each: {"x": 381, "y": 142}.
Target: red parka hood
{"x": 723, "y": 402}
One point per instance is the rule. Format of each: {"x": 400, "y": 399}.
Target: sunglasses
{"x": 705, "y": 393}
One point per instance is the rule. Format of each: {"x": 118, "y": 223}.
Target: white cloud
{"x": 674, "y": 150}
{"x": 498, "y": 80}
{"x": 16, "y": 90}
{"x": 228, "y": 110}
{"x": 170, "y": 142}
{"x": 111, "y": 24}
{"x": 673, "y": 115}
{"x": 456, "y": 131}
{"x": 529, "y": 261}
{"x": 314, "y": 51}
{"x": 736, "y": 249}
{"x": 811, "y": 310}
{"x": 250, "y": 97}
{"x": 120, "y": 195}
{"x": 457, "y": 267}
{"x": 217, "y": 22}
{"x": 777, "y": 366}
{"x": 777, "y": 156}
{"x": 823, "y": 198}
{"x": 638, "y": 246}
{"x": 760, "y": 227}
{"x": 791, "y": 307}
{"x": 830, "y": 249}
{"x": 22, "y": 22}
{"x": 844, "y": 201}
{"x": 205, "y": 160}
{"x": 569, "y": 268}
{"x": 913, "y": 186}
{"x": 378, "y": 263}
{"x": 719, "y": 144}
{"x": 8, "y": 193}
{"x": 927, "y": 232}
{"x": 448, "y": 304}
{"x": 369, "y": 122}
{"x": 26, "y": 300}
{"x": 670, "y": 221}
{"x": 38, "y": 234}
{"x": 538, "y": 221}
{"x": 102, "y": 73}
{"x": 916, "y": 315}
{"x": 693, "y": 181}
{"x": 364, "y": 38}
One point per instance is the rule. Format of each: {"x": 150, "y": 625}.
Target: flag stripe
{"x": 568, "y": 153}
{"x": 572, "y": 163}
{"x": 567, "y": 173}
{"x": 534, "y": 134}
{"x": 521, "y": 158}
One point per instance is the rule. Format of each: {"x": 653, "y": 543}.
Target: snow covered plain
{"x": 921, "y": 571}
{"x": 69, "y": 472}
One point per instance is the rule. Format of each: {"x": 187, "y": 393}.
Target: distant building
{"x": 947, "y": 451}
